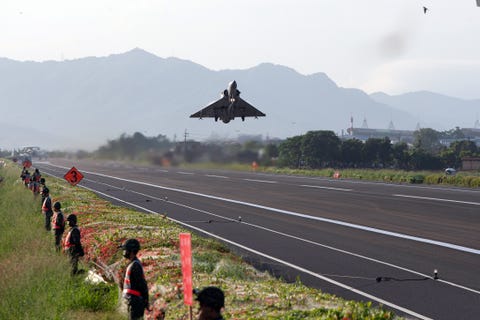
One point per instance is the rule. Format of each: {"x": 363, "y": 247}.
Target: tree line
{"x": 314, "y": 150}
{"x": 321, "y": 149}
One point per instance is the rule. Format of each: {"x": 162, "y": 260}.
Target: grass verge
{"x": 37, "y": 285}
{"x": 469, "y": 179}
{"x": 35, "y": 281}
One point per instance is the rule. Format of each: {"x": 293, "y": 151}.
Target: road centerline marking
{"x": 327, "y": 188}
{"x": 261, "y": 181}
{"x": 435, "y": 199}
{"x": 215, "y": 176}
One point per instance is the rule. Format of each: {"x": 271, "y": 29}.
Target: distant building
{"x": 364, "y": 124}
{"x": 471, "y": 163}
{"x": 471, "y": 134}
{"x": 394, "y": 135}
{"x": 364, "y": 133}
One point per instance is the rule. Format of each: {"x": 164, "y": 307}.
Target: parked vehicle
{"x": 450, "y": 171}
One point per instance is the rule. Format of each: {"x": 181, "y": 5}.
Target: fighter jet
{"x": 229, "y": 106}
{"x": 425, "y": 9}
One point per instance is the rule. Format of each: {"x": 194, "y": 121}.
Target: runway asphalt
{"x": 338, "y": 235}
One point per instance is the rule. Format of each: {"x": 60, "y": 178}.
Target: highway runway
{"x": 359, "y": 240}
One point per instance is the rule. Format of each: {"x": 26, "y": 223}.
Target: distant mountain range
{"x": 82, "y": 103}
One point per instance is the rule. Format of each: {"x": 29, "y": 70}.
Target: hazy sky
{"x": 374, "y": 45}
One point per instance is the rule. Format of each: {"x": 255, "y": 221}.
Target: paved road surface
{"x": 340, "y": 236}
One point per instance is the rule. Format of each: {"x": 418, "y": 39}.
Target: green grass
{"x": 461, "y": 179}
{"x": 35, "y": 280}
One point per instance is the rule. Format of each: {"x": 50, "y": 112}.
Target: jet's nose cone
{"x": 233, "y": 84}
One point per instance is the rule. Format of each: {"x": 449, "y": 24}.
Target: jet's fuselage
{"x": 232, "y": 90}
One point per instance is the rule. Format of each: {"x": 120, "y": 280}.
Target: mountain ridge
{"x": 92, "y": 99}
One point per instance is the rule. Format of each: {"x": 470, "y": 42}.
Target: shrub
{"x": 98, "y": 297}
{"x": 417, "y": 178}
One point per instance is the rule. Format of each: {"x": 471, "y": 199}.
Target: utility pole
{"x": 185, "y": 135}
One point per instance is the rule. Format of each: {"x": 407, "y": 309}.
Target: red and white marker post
{"x": 186, "y": 255}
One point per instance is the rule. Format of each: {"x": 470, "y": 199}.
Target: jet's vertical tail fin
{"x": 478, "y": 3}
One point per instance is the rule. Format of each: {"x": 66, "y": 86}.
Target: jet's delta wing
{"x": 245, "y": 109}
{"x": 213, "y": 109}
{"x": 229, "y": 106}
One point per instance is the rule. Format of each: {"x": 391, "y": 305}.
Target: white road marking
{"x": 317, "y": 275}
{"x": 301, "y": 215}
{"x": 183, "y": 172}
{"x": 436, "y": 199}
{"x": 291, "y": 265}
{"x": 215, "y": 176}
{"x": 328, "y": 188}
{"x": 307, "y": 241}
{"x": 261, "y": 181}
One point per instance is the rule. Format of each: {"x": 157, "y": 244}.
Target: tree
{"x": 428, "y": 140}
{"x": 457, "y": 150}
{"x": 453, "y": 134}
{"x": 269, "y": 154}
{"x": 400, "y": 155}
{"x": 378, "y": 152}
{"x": 422, "y": 160}
{"x": 320, "y": 148}
{"x": 385, "y": 152}
{"x": 133, "y": 147}
{"x": 467, "y": 147}
{"x": 351, "y": 152}
{"x": 290, "y": 152}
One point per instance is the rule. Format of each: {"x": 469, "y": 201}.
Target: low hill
{"x": 81, "y": 103}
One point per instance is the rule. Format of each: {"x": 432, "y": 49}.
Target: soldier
{"x": 72, "y": 245}
{"x": 211, "y": 300}
{"x": 135, "y": 289}
{"x": 36, "y": 181}
{"x": 47, "y": 207}
{"x": 58, "y": 224}
{"x": 22, "y": 175}
{"x": 26, "y": 178}
{"x": 41, "y": 188}
{"x": 36, "y": 175}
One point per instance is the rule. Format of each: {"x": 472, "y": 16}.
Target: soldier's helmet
{"x": 45, "y": 190}
{"x": 212, "y": 297}
{"x": 131, "y": 245}
{"x": 72, "y": 218}
{"x": 57, "y": 205}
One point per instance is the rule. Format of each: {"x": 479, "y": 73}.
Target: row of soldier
{"x": 134, "y": 286}
{"x": 55, "y": 220}
{"x": 33, "y": 181}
